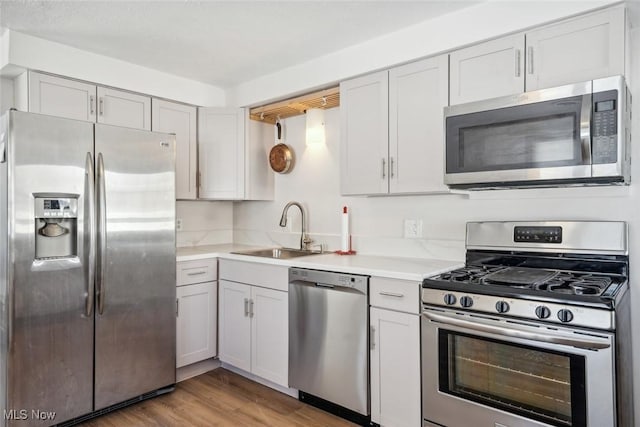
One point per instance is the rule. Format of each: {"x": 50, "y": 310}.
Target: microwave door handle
{"x": 515, "y": 333}
{"x": 585, "y": 128}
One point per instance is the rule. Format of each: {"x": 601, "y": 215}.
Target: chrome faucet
{"x": 305, "y": 241}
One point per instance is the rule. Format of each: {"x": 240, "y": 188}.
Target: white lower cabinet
{"x": 254, "y": 330}
{"x": 196, "y": 311}
{"x": 270, "y": 334}
{"x": 196, "y": 323}
{"x": 395, "y": 353}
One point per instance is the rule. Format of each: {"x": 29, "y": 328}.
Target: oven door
{"x": 488, "y": 372}
{"x": 542, "y": 135}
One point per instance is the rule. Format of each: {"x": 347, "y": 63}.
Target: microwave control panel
{"x": 604, "y": 148}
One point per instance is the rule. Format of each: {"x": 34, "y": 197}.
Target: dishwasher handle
{"x": 327, "y": 286}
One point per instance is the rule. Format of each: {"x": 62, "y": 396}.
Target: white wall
{"x": 204, "y": 223}
{"x": 22, "y": 51}
{"x": 466, "y": 26}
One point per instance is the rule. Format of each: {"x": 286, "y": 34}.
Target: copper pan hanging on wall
{"x": 281, "y": 158}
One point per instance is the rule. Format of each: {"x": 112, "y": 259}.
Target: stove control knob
{"x": 450, "y": 299}
{"x": 466, "y": 302}
{"x": 543, "y": 312}
{"x": 565, "y": 316}
{"x": 502, "y": 307}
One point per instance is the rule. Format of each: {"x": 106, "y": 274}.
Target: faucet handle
{"x": 306, "y": 242}
{"x": 320, "y": 247}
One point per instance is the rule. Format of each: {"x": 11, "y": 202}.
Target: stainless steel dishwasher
{"x": 329, "y": 341}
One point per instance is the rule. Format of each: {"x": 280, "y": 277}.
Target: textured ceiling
{"x": 217, "y": 42}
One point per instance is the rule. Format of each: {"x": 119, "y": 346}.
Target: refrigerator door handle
{"x": 90, "y": 203}
{"x": 102, "y": 236}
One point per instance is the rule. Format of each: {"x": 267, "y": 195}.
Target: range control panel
{"x": 537, "y": 234}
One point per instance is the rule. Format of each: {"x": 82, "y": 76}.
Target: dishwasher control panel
{"x": 329, "y": 279}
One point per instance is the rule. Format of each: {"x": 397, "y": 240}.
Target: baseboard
{"x": 195, "y": 369}
{"x": 286, "y": 390}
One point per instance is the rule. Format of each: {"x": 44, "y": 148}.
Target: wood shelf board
{"x": 296, "y": 106}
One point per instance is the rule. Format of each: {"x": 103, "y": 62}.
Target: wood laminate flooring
{"x": 220, "y": 398}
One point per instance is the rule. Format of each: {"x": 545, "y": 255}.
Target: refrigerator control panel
{"x": 56, "y": 207}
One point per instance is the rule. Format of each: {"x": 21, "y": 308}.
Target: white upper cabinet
{"x": 171, "y": 117}
{"x": 56, "y": 96}
{"x": 392, "y": 133}
{"x": 259, "y": 178}
{"x": 71, "y": 99}
{"x": 571, "y": 51}
{"x": 364, "y": 116}
{"x": 221, "y": 153}
{"x": 120, "y": 108}
{"x": 417, "y": 96}
{"x": 488, "y": 70}
{"x": 581, "y": 49}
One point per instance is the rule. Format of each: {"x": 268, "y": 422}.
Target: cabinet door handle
{"x": 391, "y": 167}
{"x": 197, "y": 273}
{"x": 246, "y": 307}
{"x": 372, "y": 334}
{"x": 92, "y": 109}
{"x": 101, "y": 111}
{"x": 517, "y": 62}
{"x": 250, "y": 308}
{"x": 384, "y": 164}
{"x": 530, "y": 59}
{"x": 392, "y": 294}
{"x": 177, "y": 307}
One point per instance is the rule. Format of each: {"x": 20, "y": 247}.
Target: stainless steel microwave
{"x": 574, "y": 134}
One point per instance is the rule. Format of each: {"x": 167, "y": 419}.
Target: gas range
{"x": 559, "y": 273}
{"x": 534, "y": 330}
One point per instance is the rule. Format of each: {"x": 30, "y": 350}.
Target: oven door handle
{"x": 514, "y": 333}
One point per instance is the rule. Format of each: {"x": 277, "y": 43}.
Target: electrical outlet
{"x": 178, "y": 224}
{"x": 412, "y": 228}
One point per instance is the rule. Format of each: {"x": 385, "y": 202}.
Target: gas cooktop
{"x": 566, "y": 283}
{"x": 561, "y": 280}
{"x": 577, "y": 288}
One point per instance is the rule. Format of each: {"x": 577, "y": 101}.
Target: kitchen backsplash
{"x": 204, "y": 223}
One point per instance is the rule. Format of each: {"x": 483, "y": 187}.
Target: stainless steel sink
{"x": 278, "y": 253}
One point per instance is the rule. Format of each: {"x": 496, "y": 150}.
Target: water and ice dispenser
{"x": 56, "y": 223}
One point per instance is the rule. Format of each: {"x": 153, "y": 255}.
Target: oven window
{"x": 536, "y": 383}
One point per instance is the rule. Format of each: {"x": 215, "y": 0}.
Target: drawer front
{"x": 198, "y": 271}
{"x": 400, "y": 295}
{"x": 255, "y": 273}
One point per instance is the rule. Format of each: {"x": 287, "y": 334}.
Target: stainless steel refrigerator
{"x": 87, "y": 267}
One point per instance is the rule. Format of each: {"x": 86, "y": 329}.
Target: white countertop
{"x": 414, "y": 269}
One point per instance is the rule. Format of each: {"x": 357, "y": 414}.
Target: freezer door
{"x": 49, "y": 324}
{"x": 135, "y": 324}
